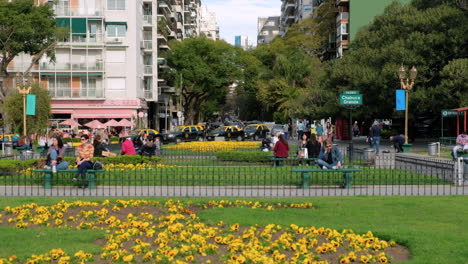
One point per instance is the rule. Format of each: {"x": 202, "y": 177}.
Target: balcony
{"x": 149, "y": 95}
{"x": 147, "y": 20}
{"x": 80, "y": 13}
{"x": 65, "y": 67}
{"x": 67, "y": 93}
{"x": 148, "y": 69}
{"x": 167, "y": 89}
{"x": 147, "y": 44}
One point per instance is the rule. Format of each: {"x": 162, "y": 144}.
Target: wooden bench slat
{"x": 347, "y": 175}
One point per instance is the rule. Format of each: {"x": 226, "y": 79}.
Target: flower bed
{"x": 213, "y": 146}
{"x": 148, "y": 231}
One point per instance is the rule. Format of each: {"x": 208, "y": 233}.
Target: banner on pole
{"x": 31, "y": 104}
{"x": 400, "y": 100}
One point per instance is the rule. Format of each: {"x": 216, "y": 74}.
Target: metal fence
{"x": 185, "y": 173}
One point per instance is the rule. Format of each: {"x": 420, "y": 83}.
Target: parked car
{"x": 226, "y": 132}
{"x": 256, "y": 131}
{"x": 277, "y": 128}
{"x": 10, "y": 138}
{"x": 147, "y": 131}
{"x": 184, "y": 133}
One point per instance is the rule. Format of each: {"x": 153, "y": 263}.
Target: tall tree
{"x": 432, "y": 39}
{"x": 34, "y": 124}
{"x": 208, "y": 67}
{"x": 24, "y": 27}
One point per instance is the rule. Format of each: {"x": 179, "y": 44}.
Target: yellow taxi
{"x": 147, "y": 131}
{"x": 228, "y": 132}
{"x": 256, "y": 131}
{"x": 12, "y": 138}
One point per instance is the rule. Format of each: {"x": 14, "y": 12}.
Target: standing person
{"x": 275, "y": 138}
{"x": 369, "y": 138}
{"x": 328, "y": 133}
{"x": 363, "y": 128}
{"x": 158, "y": 144}
{"x": 462, "y": 144}
{"x": 281, "y": 149}
{"x": 55, "y": 155}
{"x": 300, "y": 129}
{"x": 99, "y": 146}
{"x": 398, "y": 142}
{"x": 127, "y": 147}
{"x": 84, "y": 159}
{"x": 330, "y": 156}
{"x": 376, "y": 132}
{"x": 286, "y": 131}
{"x": 319, "y": 130}
{"x": 355, "y": 129}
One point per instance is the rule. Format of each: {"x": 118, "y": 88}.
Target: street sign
{"x": 354, "y": 99}
{"x": 350, "y": 92}
{"x": 448, "y": 113}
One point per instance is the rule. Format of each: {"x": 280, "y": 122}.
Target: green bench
{"x": 279, "y": 162}
{"x": 48, "y": 175}
{"x": 347, "y": 175}
{"x": 448, "y": 140}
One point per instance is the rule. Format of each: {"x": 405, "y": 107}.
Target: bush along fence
{"x": 239, "y": 169}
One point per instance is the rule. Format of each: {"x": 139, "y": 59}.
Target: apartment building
{"x": 110, "y": 64}
{"x": 208, "y": 25}
{"x": 267, "y": 29}
{"x": 243, "y": 41}
{"x": 294, "y": 11}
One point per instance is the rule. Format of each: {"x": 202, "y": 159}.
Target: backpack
{"x": 97, "y": 165}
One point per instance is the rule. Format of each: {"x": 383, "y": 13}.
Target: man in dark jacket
{"x": 330, "y": 156}
{"x": 398, "y": 142}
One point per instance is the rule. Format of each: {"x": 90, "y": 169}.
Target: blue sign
{"x": 400, "y": 100}
{"x": 31, "y": 104}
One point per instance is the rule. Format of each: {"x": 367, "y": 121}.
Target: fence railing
{"x": 247, "y": 172}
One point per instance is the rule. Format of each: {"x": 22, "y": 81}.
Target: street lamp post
{"x": 24, "y": 90}
{"x": 407, "y": 84}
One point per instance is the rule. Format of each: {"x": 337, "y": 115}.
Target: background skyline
{"x": 239, "y": 17}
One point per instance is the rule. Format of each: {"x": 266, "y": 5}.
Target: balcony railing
{"x": 84, "y": 12}
{"x": 148, "y": 95}
{"x": 148, "y": 19}
{"x": 71, "y": 66}
{"x": 97, "y": 92}
{"x": 148, "y": 69}
{"x": 89, "y": 38}
{"x": 147, "y": 44}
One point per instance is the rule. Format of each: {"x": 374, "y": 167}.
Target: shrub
{"x": 388, "y": 133}
{"x": 243, "y": 156}
{"x": 69, "y": 139}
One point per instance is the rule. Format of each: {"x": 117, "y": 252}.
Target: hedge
{"x": 9, "y": 166}
{"x": 243, "y": 156}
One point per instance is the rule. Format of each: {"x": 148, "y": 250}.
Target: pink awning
{"x": 102, "y": 113}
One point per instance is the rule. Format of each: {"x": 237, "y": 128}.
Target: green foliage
{"x": 69, "y": 139}
{"x": 430, "y": 39}
{"x": 204, "y": 69}
{"x": 243, "y": 156}
{"x": 25, "y": 28}
{"x": 34, "y": 124}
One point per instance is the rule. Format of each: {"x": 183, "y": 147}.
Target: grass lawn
{"x": 433, "y": 228}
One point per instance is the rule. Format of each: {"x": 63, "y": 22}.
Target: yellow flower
{"x": 128, "y": 258}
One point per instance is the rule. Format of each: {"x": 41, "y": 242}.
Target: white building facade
{"x": 110, "y": 64}
{"x": 208, "y": 24}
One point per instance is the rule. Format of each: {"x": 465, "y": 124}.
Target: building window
{"x": 116, "y": 30}
{"x": 88, "y": 87}
{"x": 60, "y": 87}
{"x": 116, "y": 4}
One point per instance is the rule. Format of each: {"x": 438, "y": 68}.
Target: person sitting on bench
{"x": 84, "y": 159}
{"x": 330, "y": 156}
{"x": 55, "y": 156}
{"x": 462, "y": 144}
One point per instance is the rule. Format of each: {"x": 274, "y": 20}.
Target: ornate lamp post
{"x": 24, "y": 89}
{"x": 407, "y": 84}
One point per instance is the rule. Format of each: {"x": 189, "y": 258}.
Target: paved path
{"x": 234, "y": 191}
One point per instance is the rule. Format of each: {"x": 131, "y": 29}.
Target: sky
{"x": 239, "y": 17}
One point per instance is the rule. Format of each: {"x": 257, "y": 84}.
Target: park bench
{"x": 48, "y": 176}
{"x": 448, "y": 140}
{"x": 347, "y": 175}
{"x": 279, "y": 162}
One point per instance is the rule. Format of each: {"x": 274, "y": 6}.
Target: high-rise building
{"x": 110, "y": 64}
{"x": 267, "y": 29}
{"x": 294, "y": 11}
{"x": 243, "y": 42}
{"x": 208, "y": 25}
